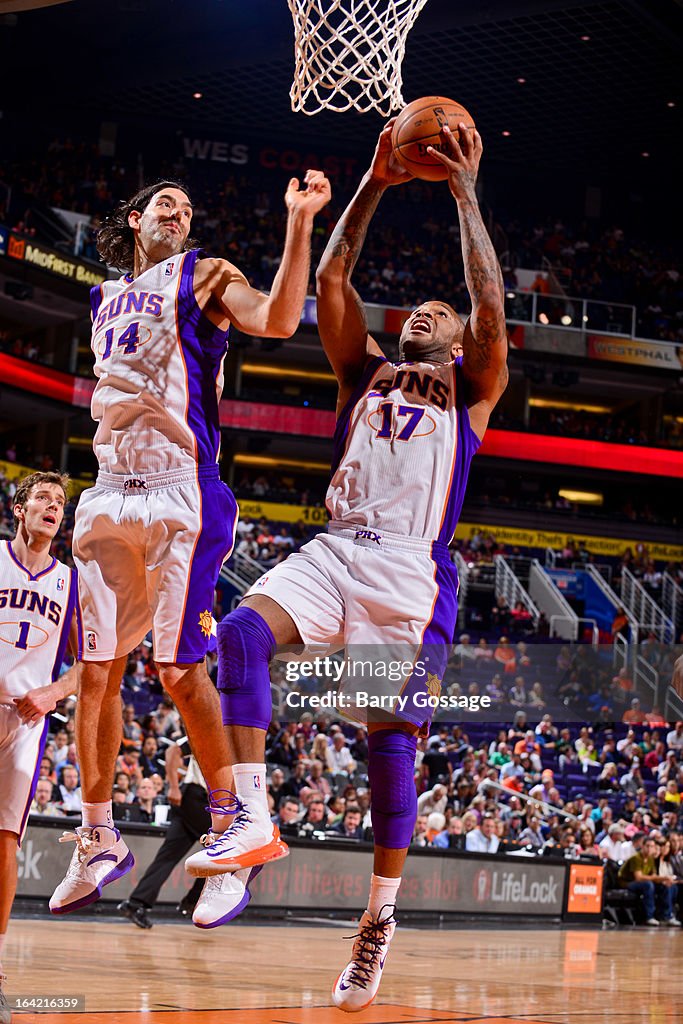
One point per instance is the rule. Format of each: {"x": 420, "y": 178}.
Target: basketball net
{"x": 348, "y": 53}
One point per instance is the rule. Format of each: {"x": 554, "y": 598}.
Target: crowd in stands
{"x": 636, "y": 508}
{"x": 591, "y": 262}
{"x": 584, "y": 426}
{"x": 22, "y": 348}
{"x": 412, "y": 252}
{"x": 612, "y": 790}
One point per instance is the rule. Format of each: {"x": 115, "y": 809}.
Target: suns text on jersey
{"x": 31, "y": 601}
{"x": 413, "y": 382}
{"x": 130, "y": 302}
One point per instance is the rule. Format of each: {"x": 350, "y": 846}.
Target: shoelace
{"x": 228, "y": 804}
{"x": 84, "y": 842}
{"x": 372, "y": 939}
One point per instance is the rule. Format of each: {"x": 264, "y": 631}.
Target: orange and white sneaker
{"x": 358, "y": 983}
{"x": 249, "y": 840}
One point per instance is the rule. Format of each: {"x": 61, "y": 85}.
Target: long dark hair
{"x": 116, "y": 240}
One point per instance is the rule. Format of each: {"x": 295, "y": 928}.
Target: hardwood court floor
{"x": 281, "y": 974}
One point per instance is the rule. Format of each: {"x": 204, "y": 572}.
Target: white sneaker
{"x": 5, "y": 1011}
{"x": 100, "y": 857}
{"x": 224, "y": 897}
{"x": 672, "y": 922}
{"x": 653, "y": 922}
{"x": 357, "y": 985}
{"x": 250, "y": 839}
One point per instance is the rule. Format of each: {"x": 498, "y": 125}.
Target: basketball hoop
{"x": 348, "y": 53}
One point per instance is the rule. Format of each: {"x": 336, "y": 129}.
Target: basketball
{"x": 418, "y": 126}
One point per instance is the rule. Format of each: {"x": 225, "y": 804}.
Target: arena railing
{"x": 547, "y": 808}
{"x": 512, "y": 590}
{"x": 644, "y": 608}
{"x": 672, "y": 598}
{"x": 645, "y": 675}
{"x": 570, "y": 313}
{"x": 673, "y": 709}
{"x": 595, "y": 631}
{"x": 613, "y": 598}
{"x": 548, "y": 598}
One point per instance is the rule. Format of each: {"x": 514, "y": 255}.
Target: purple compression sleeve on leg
{"x": 245, "y": 647}
{"x": 391, "y": 768}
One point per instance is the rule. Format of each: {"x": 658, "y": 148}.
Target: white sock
{"x": 383, "y": 893}
{"x": 250, "y": 786}
{"x": 98, "y": 814}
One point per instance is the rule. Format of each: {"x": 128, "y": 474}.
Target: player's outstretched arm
{"x": 485, "y": 343}
{"x": 342, "y": 322}
{"x": 278, "y": 314}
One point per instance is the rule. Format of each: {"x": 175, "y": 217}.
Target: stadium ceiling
{"x": 600, "y": 78}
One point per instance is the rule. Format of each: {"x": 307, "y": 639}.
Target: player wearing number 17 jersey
{"x": 151, "y": 535}
{"x": 404, "y": 440}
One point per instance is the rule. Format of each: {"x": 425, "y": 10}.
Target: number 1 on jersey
{"x": 22, "y": 642}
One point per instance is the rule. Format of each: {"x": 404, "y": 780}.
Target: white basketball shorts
{"x": 148, "y": 552}
{"x": 21, "y": 750}
{"x": 368, "y": 588}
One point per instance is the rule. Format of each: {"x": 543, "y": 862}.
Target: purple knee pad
{"x": 391, "y": 770}
{"x": 245, "y": 647}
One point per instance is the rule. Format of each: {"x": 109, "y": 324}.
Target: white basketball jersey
{"x": 35, "y": 619}
{"x": 402, "y": 451}
{"x": 159, "y": 364}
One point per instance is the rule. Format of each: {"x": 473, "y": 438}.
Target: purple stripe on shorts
{"x": 436, "y": 639}
{"x": 34, "y": 780}
{"x": 219, "y": 514}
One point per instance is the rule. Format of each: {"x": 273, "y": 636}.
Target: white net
{"x": 349, "y": 53}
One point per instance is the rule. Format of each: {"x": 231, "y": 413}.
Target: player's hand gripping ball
{"x": 419, "y": 126}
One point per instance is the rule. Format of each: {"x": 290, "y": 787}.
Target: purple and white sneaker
{"x": 100, "y": 857}
{"x": 224, "y": 897}
{"x": 357, "y": 985}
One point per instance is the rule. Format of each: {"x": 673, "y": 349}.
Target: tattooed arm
{"x": 485, "y": 340}
{"x": 342, "y": 322}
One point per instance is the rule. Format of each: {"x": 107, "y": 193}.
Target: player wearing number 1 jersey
{"x": 39, "y": 617}
{"x": 151, "y": 535}
{"x": 404, "y": 440}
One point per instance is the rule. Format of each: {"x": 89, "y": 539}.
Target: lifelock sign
{"x": 505, "y": 888}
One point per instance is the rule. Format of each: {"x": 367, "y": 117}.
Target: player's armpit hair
{"x": 116, "y": 240}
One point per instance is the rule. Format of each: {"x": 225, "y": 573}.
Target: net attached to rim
{"x": 349, "y": 53}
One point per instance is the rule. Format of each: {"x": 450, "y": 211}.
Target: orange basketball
{"x": 418, "y": 126}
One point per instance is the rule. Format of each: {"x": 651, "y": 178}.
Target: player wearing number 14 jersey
{"x": 405, "y": 436}
{"x": 151, "y": 535}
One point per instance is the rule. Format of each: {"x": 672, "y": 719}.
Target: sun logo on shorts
{"x": 433, "y": 684}
{"x": 205, "y": 622}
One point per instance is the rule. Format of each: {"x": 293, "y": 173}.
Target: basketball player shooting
{"x": 152, "y": 534}
{"x": 40, "y": 617}
{"x": 404, "y": 440}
